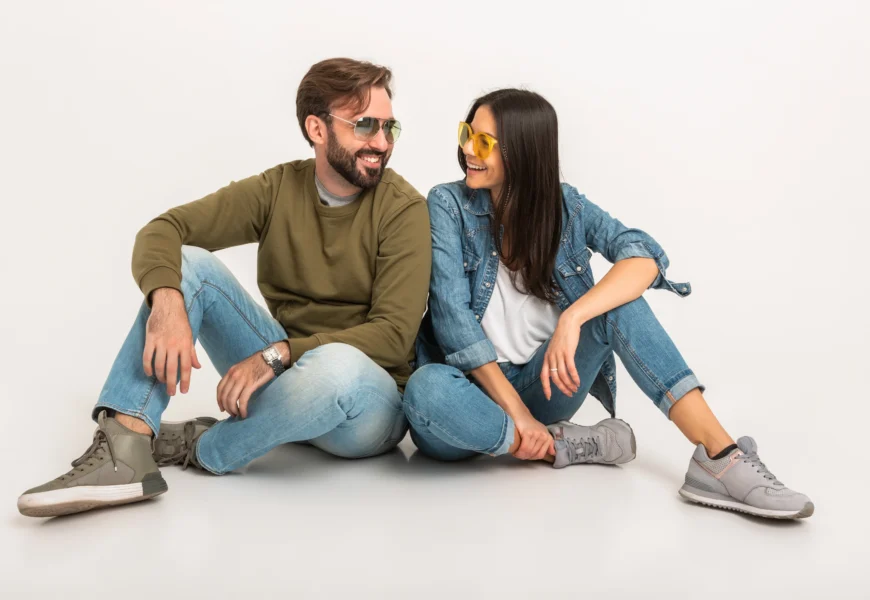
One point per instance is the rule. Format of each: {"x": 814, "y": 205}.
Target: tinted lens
{"x": 392, "y": 130}
{"x": 464, "y": 134}
{"x": 366, "y": 128}
{"x": 484, "y": 147}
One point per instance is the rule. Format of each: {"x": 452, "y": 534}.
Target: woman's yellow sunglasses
{"x": 483, "y": 143}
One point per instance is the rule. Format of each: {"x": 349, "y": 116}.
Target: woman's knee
{"x": 427, "y": 386}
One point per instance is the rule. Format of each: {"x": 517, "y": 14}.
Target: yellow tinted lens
{"x": 464, "y": 133}
{"x": 484, "y": 146}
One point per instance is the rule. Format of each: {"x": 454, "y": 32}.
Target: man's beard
{"x": 344, "y": 163}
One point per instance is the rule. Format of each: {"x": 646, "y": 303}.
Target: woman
{"x": 513, "y": 305}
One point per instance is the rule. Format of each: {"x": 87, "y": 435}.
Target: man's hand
{"x": 243, "y": 379}
{"x": 535, "y": 439}
{"x": 169, "y": 341}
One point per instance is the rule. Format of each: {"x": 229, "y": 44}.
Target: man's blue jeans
{"x": 334, "y": 396}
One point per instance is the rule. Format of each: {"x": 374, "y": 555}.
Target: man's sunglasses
{"x": 367, "y": 128}
{"x": 483, "y": 142}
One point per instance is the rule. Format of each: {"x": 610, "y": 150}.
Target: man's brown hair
{"x": 338, "y": 83}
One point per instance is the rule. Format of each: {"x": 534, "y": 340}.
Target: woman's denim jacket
{"x": 465, "y": 264}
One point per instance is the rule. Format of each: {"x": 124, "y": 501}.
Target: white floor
{"x": 300, "y": 524}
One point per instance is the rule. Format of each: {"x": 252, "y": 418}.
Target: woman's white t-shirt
{"x": 517, "y": 324}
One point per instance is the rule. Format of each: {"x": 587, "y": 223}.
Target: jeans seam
{"x": 387, "y": 435}
{"x": 244, "y": 317}
{"x": 650, "y": 375}
{"x": 249, "y": 456}
{"x": 462, "y": 445}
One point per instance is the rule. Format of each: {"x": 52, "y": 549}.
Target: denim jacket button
{"x": 486, "y": 284}
{"x": 579, "y": 269}
{"x": 477, "y": 317}
{"x": 465, "y": 264}
{"x": 610, "y": 378}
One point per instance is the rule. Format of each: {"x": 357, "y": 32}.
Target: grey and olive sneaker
{"x": 740, "y": 481}
{"x": 176, "y": 443}
{"x": 116, "y": 469}
{"x": 610, "y": 442}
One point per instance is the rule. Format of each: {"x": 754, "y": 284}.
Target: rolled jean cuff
{"x": 682, "y": 387}
{"x": 507, "y": 438}
{"x": 199, "y": 461}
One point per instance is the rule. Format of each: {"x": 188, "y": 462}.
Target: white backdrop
{"x": 735, "y": 133}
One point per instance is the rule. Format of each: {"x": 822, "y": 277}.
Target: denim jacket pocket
{"x": 470, "y": 261}
{"x": 576, "y": 272}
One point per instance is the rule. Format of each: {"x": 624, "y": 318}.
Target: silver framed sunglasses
{"x": 366, "y": 128}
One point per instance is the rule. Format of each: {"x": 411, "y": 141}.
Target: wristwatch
{"x": 273, "y": 359}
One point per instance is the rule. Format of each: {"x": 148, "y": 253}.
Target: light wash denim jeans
{"x": 452, "y": 418}
{"x": 334, "y": 396}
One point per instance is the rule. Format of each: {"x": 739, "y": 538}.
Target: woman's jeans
{"x": 452, "y": 418}
{"x": 334, "y": 396}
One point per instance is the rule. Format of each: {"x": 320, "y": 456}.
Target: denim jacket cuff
{"x": 473, "y": 356}
{"x": 643, "y": 250}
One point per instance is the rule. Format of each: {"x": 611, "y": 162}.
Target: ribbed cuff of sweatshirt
{"x": 159, "y": 277}
{"x": 300, "y": 346}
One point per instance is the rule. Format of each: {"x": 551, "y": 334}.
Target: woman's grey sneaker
{"x": 741, "y": 482}
{"x": 610, "y": 442}
{"x": 176, "y": 444}
{"x": 116, "y": 469}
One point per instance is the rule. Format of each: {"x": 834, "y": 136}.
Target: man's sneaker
{"x": 610, "y": 442}
{"x": 740, "y": 481}
{"x": 116, "y": 469}
{"x": 176, "y": 443}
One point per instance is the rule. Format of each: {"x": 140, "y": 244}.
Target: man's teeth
{"x": 371, "y": 159}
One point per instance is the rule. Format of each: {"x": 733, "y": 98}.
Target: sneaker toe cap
{"x": 779, "y": 499}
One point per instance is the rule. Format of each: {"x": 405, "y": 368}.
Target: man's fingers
{"x": 184, "y": 359}
{"x": 171, "y": 371}
{"x": 160, "y": 363}
{"x": 220, "y": 393}
{"x": 243, "y": 401}
{"x": 230, "y": 398}
{"x": 194, "y": 357}
{"x": 148, "y": 357}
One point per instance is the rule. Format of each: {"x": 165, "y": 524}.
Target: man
{"x": 343, "y": 264}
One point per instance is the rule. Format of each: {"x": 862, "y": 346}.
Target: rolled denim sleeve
{"x": 456, "y": 329}
{"x": 613, "y": 240}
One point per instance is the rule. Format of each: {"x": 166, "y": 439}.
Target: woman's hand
{"x": 535, "y": 440}
{"x": 559, "y": 360}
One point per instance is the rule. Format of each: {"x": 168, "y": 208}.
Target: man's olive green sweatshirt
{"x": 355, "y": 274}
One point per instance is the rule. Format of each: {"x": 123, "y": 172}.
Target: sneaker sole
{"x": 699, "y": 497}
{"x": 88, "y": 497}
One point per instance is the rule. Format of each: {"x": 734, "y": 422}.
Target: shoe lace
{"x": 585, "y": 447}
{"x": 184, "y": 454}
{"x": 95, "y": 452}
{"x": 753, "y": 459}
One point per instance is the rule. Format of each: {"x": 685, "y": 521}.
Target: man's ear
{"x": 316, "y": 128}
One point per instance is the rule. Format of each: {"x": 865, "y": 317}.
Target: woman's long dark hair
{"x": 530, "y": 203}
